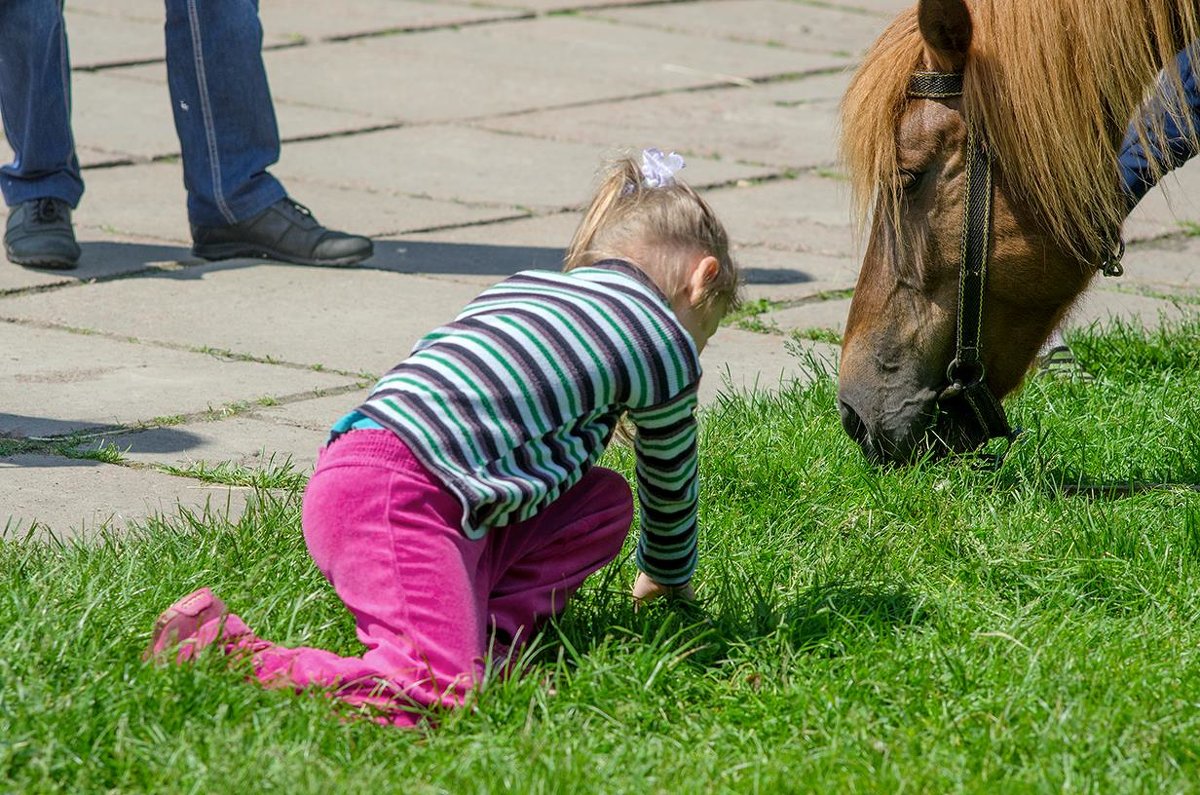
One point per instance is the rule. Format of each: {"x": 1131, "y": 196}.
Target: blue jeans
{"x": 1175, "y": 147}
{"x": 219, "y": 96}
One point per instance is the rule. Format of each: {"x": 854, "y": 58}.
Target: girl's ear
{"x": 704, "y": 271}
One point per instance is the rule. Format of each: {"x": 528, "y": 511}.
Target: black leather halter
{"x": 965, "y": 374}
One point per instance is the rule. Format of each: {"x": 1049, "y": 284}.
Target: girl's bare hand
{"x": 647, "y": 590}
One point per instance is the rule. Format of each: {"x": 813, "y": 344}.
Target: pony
{"x": 1035, "y": 96}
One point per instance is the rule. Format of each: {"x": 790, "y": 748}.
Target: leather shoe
{"x": 39, "y": 234}
{"x": 285, "y": 231}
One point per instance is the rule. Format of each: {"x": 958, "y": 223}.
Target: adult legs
{"x": 35, "y": 103}
{"x": 42, "y": 183}
{"x": 222, "y": 108}
{"x": 228, "y": 136}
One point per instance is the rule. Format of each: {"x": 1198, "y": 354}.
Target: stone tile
{"x": 811, "y": 315}
{"x": 453, "y": 163}
{"x": 516, "y": 66}
{"x": 149, "y": 200}
{"x": 1170, "y": 208}
{"x": 99, "y": 40}
{"x": 126, "y": 113}
{"x": 547, "y": 6}
{"x": 285, "y": 23}
{"x": 887, "y": 8}
{"x": 241, "y": 441}
{"x": 104, "y": 255}
{"x": 342, "y": 318}
{"x": 809, "y": 213}
{"x": 58, "y": 382}
{"x": 317, "y": 415}
{"x": 292, "y": 20}
{"x": 482, "y": 254}
{"x": 1172, "y": 264}
{"x": 781, "y": 275}
{"x": 798, "y": 26}
{"x": 88, "y": 156}
{"x": 743, "y": 360}
{"x": 72, "y": 499}
{"x": 1101, "y": 307}
{"x": 763, "y": 124}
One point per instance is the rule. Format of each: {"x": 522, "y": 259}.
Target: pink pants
{"x": 429, "y": 603}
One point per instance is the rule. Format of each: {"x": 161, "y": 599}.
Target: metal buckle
{"x": 1110, "y": 263}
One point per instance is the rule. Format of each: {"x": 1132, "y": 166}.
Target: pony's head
{"x": 1047, "y": 92}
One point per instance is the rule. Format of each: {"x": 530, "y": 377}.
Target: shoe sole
{"x": 43, "y": 262}
{"x": 222, "y": 251}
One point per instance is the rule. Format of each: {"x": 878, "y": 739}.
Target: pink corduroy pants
{"x": 429, "y": 603}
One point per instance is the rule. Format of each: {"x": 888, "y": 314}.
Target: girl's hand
{"x": 647, "y": 590}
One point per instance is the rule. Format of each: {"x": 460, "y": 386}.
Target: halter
{"x": 966, "y": 372}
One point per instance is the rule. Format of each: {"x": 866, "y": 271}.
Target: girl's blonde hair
{"x": 626, "y": 217}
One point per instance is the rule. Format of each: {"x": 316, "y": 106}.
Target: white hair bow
{"x": 658, "y": 170}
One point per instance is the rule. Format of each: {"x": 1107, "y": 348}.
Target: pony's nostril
{"x": 855, "y": 427}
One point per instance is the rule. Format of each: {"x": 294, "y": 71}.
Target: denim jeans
{"x": 1175, "y": 147}
{"x": 219, "y": 96}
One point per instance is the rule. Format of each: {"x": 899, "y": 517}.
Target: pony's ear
{"x": 946, "y": 27}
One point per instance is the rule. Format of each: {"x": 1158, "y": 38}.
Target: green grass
{"x": 271, "y": 475}
{"x": 932, "y": 629}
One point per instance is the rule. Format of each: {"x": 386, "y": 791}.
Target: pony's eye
{"x": 910, "y": 180}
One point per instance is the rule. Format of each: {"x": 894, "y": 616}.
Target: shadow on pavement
{"x": 102, "y": 259}
{"x": 476, "y": 259}
{"x": 42, "y": 442}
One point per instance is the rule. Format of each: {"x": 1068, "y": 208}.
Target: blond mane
{"x": 1051, "y": 85}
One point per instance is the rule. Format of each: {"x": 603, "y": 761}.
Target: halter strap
{"x": 935, "y": 85}
{"x": 966, "y": 372}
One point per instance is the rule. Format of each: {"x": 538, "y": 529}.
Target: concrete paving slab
{"x": 1103, "y": 306}
{"x": 58, "y": 382}
{"x": 285, "y": 23}
{"x": 149, "y": 200}
{"x": 303, "y": 20}
{"x": 104, "y": 255}
{"x": 812, "y": 315}
{"x": 316, "y": 415}
{"x": 486, "y": 253}
{"x": 780, "y": 275}
{"x": 497, "y": 69}
{"x": 340, "y": 318}
{"x": 1172, "y": 264}
{"x": 758, "y": 125}
{"x": 98, "y": 40}
{"x": 743, "y": 360}
{"x": 453, "y": 163}
{"x": 548, "y": 6}
{"x": 73, "y": 499}
{"x": 89, "y": 157}
{"x": 888, "y": 8}
{"x": 126, "y": 113}
{"x": 241, "y": 441}
{"x": 776, "y": 23}
{"x": 1169, "y": 209}
{"x": 808, "y": 213}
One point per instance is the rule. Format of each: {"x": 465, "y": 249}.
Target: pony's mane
{"x": 1051, "y": 86}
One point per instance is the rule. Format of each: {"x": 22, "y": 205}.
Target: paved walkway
{"x": 463, "y": 136}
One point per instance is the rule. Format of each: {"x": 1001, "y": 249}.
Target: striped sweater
{"x": 510, "y": 404}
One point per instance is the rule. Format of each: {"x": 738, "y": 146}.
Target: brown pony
{"x": 1048, "y": 88}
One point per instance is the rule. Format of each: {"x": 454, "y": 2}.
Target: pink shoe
{"x": 181, "y": 625}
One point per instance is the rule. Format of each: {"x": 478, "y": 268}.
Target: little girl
{"x": 459, "y": 507}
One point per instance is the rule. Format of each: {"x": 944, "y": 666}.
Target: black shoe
{"x": 39, "y": 234}
{"x": 285, "y": 231}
